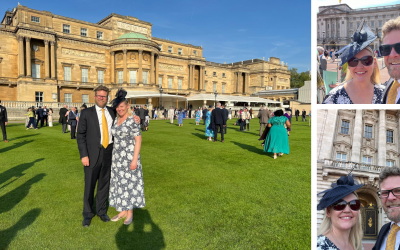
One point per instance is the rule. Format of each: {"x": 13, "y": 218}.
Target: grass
{"x": 199, "y": 194}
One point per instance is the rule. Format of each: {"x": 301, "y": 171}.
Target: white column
{"x": 382, "y": 138}
{"x": 357, "y": 137}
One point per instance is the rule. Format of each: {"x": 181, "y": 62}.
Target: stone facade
{"x": 337, "y": 23}
{"x": 366, "y": 140}
{"x": 44, "y": 55}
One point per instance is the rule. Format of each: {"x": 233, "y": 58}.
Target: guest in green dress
{"x": 277, "y": 140}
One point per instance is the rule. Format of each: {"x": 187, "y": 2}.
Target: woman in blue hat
{"x": 362, "y": 84}
{"x": 341, "y": 227}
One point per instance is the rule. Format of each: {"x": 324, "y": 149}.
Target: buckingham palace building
{"x": 48, "y": 58}
{"x": 364, "y": 141}
{"x": 337, "y": 23}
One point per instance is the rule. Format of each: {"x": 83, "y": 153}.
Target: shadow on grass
{"x": 8, "y": 235}
{"x": 257, "y": 150}
{"x": 14, "y": 146}
{"x": 16, "y": 171}
{"x": 145, "y": 235}
{"x": 24, "y": 136}
{"x": 201, "y": 136}
{"x": 12, "y": 198}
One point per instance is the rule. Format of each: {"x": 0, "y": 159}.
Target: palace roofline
{"x": 129, "y": 18}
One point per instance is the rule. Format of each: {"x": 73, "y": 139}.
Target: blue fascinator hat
{"x": 360, "y": 40}
{"x": 344, "y": 186}
{"x": 119, "y": 97}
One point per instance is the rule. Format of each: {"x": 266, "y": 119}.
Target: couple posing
{"x": 362, "y": 84}
{"x": 109, "y": 146}
{"x": 341, "y": 227}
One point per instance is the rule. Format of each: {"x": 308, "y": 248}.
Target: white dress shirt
{"x": 396, "y": 246}
{"x": 398, "y": 93}
{"x": 109, "y": 123}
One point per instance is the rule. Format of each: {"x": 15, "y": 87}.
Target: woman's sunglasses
{"x": 354, "y": 205}
{"x": 366, "y": 61}
{"x": 387, "y": 48}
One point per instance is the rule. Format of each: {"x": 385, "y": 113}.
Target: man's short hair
{"x": 320, "y": 49}
{"x": 392, "y": 24}
{"x": 102, "y": 88}
{"x": 387, "y": 172}
{"x": 218, "y": 104}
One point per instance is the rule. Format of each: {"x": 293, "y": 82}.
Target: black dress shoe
{"x": 86, "y": 221}
{"x": 104, "y": 217}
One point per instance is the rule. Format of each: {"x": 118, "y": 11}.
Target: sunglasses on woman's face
{"x": 366, "y": 61}
{"x": 354, "y": 205}
{"x": 387, "y": 48}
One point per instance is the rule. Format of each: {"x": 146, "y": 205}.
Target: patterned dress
{"x": 198, "y": 117}
{"x": 126, "y": 185}
{"x": 209, "y": 132}
{"x": 324, "y": 243}
{"x": 339, "y": 95}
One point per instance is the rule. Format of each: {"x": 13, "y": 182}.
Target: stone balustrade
{"x": 348, "y": 165}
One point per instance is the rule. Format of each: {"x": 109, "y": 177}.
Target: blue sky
{"x": 229, "y": 31}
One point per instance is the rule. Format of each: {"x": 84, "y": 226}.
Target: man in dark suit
{"x": 389, "y": 182}
{"x": 39, "y": 113}
{"x": 205, "y": 110}
{"x": 142, "y": 118}
{"x": 3, "y": 121}
{"x": 304, "y": 116}
{"x": 45, "y": 115}
{"x": 264, "y": 116}
{"x": 219, "y": 121}
{"x": 63, "y": 118}
{"x": 225, "y": 116}
{"x": 74, "y": 121}
{"x": 297, "y": 114}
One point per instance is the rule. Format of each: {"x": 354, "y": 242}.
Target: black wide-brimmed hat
{"x": 119, "y": 97}
{"x": 344, "y": 186}
{"x": 360, "y": 40}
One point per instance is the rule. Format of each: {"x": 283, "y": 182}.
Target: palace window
{"x": 205, "y": 86}
{"x": 372, "y": 24}
{"x": 214, "y": 87}
{"x": 160, "y": 82}
{"x": 67, "y": 74}
{"x": 380, "y": 23}
{"x": 84, "y": 75}
{"x": 390, "y": 163}
{"x": 368, "y": 131}
{"x": 38, "y": 96}
{"x": 100, "y": 35}
{"x": 83, "y": 32}
{"x": 341, "y": 157}
{"x": 132, "y": 76}
{"x": 179, "y": 51}
{"x": 145, "y": 73}
{"x": 35, "y": 70}
{"x": 179, "y": 83}
{"x": 358, "y": 24}
{"x": 389, "y": 136}
{"x": 35, "y": 19}
{"x": 205, "y": 72}
{"x": 333, "y": 26}
{"x": 380, "y": 33}
{"x": 170, "y": 83}
{"x": 367, "y": 160}
{"x": 160, "y": 46}
{"x": 214, "y": 73}
{"x": 120, "y": 76}
{"x": 223, "y": 74}
{"x": 345, "y": 127}
{"x": 223, "y": 88}
{"x": 100, "y": 76}
{"x": 85, "y": 98}
{"x": 67, "y": 97}
{"x": 66, "y": 28}
{"x": 195, "y": 52}
{"x": 170, "y": 49}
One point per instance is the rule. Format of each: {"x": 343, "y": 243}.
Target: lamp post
{"x": 215, "y": 103}
{"x": 161, "y": 90}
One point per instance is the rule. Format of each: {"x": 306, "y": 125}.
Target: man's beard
{"x": 395, "y": 215}
{"x": 394, "y": 72}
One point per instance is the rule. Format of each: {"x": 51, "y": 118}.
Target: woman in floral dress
{"x": 126, "y": 183}
{"x": 198, "y": 116}
{"x": 209, "y": 131}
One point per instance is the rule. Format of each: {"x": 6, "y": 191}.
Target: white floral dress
{"x": 126, "y": 185}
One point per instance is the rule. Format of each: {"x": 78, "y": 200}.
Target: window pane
{"x": 35, "y": 19}
{"x": 84, "y": 75}
{"x": 66, "y": 28}
{"x": 170, "y": 83}
{"x": 159, "y": 81}
{"x": 67, "y": 97}
{"x": 214, "y": 87}
{"x": 179, "y": 83}
{"x": 67, "y": 73}
{"x": 83, "y": 32}
{"x": 99, "y": 35}
{"x": 120, "y": 76}
{"x": 85, "y": 98}
{"x": 145, "y": 76}
{"x": 132, "y": 76}
{"x": 100, "y": 76}
{"x": 205, "y": 86}
{"x": 223, "y": 88}
{"x": 39, "y": 96}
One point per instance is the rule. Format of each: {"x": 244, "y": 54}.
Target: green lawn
{"x": 199, "y": 194}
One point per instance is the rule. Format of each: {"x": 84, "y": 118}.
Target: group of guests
{"x": 143, "y": 113}
{"x": 3, "y": 121}
{"x": 70, "y": 117}
{"x": 303, "y": 115}
{"x": 362, "y": 83}
{"x": 215, "y": 122}
{"x": 35, "y": 115}
{"x": 341, "y": 227}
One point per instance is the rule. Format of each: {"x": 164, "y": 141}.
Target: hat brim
{"x": 337, "y": 193}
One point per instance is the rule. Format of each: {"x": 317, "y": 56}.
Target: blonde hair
{"x": 356, "y": 232}
{"x": 392, "y": 24}
{"x": 375, "y": 77}
{"x": 129, "y": 108}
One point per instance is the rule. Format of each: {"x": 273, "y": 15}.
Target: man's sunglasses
{"x": 366, "y": 61}
{"x": 354, "y": 205}
{"x": 387, "y": 48}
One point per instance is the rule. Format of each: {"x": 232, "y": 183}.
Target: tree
{"x": 297, "y": 79}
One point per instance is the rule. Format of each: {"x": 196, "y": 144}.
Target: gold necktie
{"x": 393, "y": 93}
{"x": 391, "y": 241}
{"x": 104, "y": 125}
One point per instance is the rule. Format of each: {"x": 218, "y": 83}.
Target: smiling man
{"x": 390, "y": 49}
{"x": 389, "y": 236}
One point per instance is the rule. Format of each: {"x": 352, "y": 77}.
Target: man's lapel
{"x": 96, "y": 121}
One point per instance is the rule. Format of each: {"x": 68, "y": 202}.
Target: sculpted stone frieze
{"x": 170, "y": 67}
{"x": 122, "y": 46}
{"x": 73, "y": 52}
{"x": 34, "y": 33}
{"x": 131, "y": 27}
{"x": 83, "y": 43}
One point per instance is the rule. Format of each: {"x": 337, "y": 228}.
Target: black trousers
{"x": 99, "y": 174}
{"x": 41, "y": 119}
{"x": 64, "y": 128}
{"x": 242, "y": 125}
{"x": 3, "y": 129}
{"x": 204, "y": 120}
{"x": 46, "y": 118}
{"x": 297, "y": 118}
{"x": 142, "y": 124}
{"x": 73, "y": 130}
{"x": 220, "y": 128}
